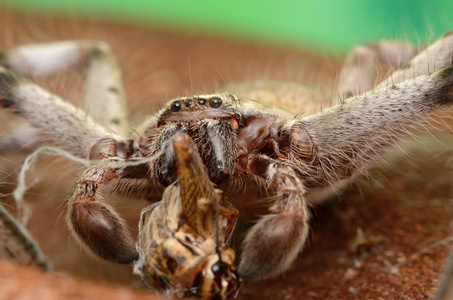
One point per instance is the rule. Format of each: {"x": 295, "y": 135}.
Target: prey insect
{"x": 183, "y": 239}
{"x": 297, "y": 160}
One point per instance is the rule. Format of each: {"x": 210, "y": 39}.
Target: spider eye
{"x": 215, "y": 102}
{"x": 176, "y": 106}
{"x": 202, "y": 101}
{"x": 188, "y": 103}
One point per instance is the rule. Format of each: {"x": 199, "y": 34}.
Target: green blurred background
{"x": 325, "y": 24}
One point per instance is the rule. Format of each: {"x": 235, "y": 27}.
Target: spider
{"x": 298, "y": 160}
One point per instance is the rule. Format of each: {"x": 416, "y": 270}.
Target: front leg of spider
{"x": 274, "y": 242}
{"x": 330, "y": 147}
{"x": 95, "y": 223}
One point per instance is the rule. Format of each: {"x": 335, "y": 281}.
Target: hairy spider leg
{"x": 103, "y": 90}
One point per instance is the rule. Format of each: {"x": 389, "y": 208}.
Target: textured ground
{"x": 385, "y": 238}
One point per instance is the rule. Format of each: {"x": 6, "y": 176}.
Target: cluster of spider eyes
{"x": 213, "y": 102}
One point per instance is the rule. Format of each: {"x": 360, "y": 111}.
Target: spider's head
{"x": 211, "y": 121}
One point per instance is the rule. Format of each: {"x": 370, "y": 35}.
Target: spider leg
{"x": 21, "y": 138}
{"x": 58, "y": 121}
{"x": 437, "y": 56}
{"x": 359, "y": 71}
{"x": 272, "y": 245}
{"x": 399, "y": 104}
{"x": 94, "y": 223}
{"x": 346, "y": 138}
{"x": 360, "y": 67}
{"x": 104, "y": 93}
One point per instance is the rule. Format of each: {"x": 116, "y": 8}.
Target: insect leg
{"x": 272, "y": 245}
{"x": 359, "y": 69}
{"x": 104, "y": 93}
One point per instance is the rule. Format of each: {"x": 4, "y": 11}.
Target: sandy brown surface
{"x": 385, "y": 238}
{"x": 23, "y": 283}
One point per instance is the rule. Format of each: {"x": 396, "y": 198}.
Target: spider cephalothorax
{"x": 297, "y": 160}
{"x": 226, "y": 130}
{"x": 212, "y": 121}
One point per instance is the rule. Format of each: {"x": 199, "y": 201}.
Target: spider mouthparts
{"x": 234, "y": 123}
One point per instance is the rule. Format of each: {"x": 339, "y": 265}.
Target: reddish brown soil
{"x": 23, "y": 283}
{"x": 404, "y": 216}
